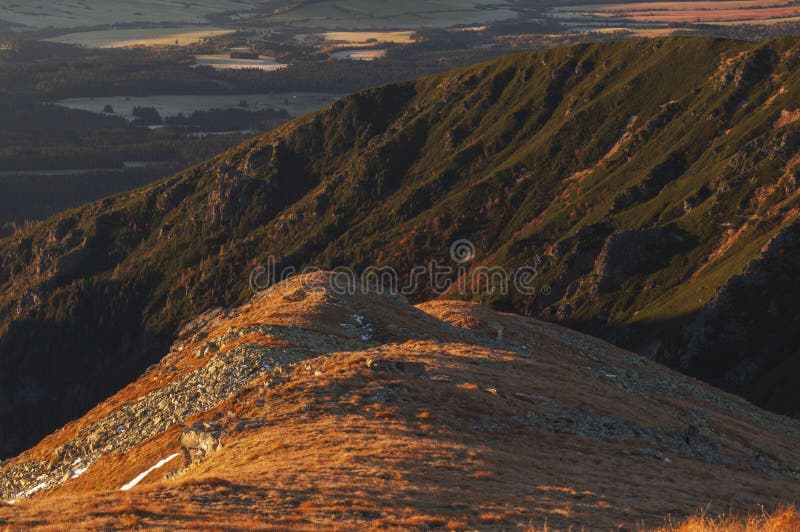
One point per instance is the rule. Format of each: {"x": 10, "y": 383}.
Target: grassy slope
{"x": 394, "y": 175}
{"x": 517, "y": 433}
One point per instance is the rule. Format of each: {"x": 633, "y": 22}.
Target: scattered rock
{"x": 200, "y": 440}
{"x": 649, "y": 451}
{"x": 414, "y": 369}
{"x": 498, "y": 328}
{"x": 207, "y": 349}
{"x": 386, "y": 395}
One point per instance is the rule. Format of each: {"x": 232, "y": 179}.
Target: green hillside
{"x": 653, "y": 184}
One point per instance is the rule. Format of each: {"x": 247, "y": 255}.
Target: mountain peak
{"x": 268, "y": 411}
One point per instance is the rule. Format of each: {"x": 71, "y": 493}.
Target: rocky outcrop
{"x": 658, "y": 178}
{"x": 624, "y": 255}
{"x": 224, "y": 372}
{"x": 629, "y": 253}
{"x": 226, "y": 199}
{"x": 748, "y": 321}
{"x": 199, "y": 441}
{"x": 414, "y": 369}
{"x": 747, "y": 68}
{"x": 291, "y": 396}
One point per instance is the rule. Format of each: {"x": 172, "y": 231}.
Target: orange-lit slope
{"x": 309, "y": 408}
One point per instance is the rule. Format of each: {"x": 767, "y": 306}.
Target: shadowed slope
{"x": 652, "y": 183}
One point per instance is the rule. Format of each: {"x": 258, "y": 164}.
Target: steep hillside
{"x": 653, "y": 184}
{"x": 307, "y": 407}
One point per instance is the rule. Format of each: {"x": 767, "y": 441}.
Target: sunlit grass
{"x": 361, "y": 37}
{"x": 142, "y": 37}
{"x": 781, "y": 520}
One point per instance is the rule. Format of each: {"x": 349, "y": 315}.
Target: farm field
{"x": 765, "y": 22}
{"x": 180, "y": 36}
{"x": 350, "y": 14}
{"x": 88, "y": 13}
{"x": 638, "y": 32}
{"x": 359, "y": 55}
{"x": 679, "y": 6}
{"x": 326, "y": 14}
{"x": 705, "y": 12}
{"x": 721, "y": 15}
{"x": 296, "y": 104}
{"x": 362, "y": 37}
{"x": 358, "y": 22}
{"x": 224, "y": 62}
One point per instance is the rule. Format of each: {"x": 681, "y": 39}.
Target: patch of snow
{"x": 33, "y": 490}
{"x": 367, "y": 332}
{"x": 609, "y": 375}
{"x": 141, "y": 476}
{"x": 366, "y": 329}
{"x": 80, "y": 471}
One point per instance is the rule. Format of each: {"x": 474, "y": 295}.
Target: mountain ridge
{"x": 642, "y": 179}
{"x": 312, "y": 407}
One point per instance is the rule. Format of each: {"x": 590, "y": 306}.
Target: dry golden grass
{"x": 784, "y": 519}
{"x": 450, "y": 453}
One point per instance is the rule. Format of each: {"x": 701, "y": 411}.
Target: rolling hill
{"x": 311, "y": 408}
{"x": 652, "y": 184}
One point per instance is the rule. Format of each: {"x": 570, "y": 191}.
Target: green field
{"x": 87, "y": 13}
{"x": 366, "y": 14}
{"x": 296, "y": 103}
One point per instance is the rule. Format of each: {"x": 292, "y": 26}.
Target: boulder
{"x": 200, "y": 440}
{"x": 414, "y": 369}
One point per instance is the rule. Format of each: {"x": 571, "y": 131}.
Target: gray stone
{"x": 200, "y": 440}
{"x": 386, "y": 395}
{"x": 414, "y": 369}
